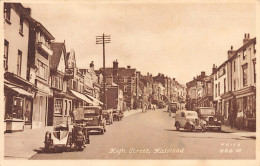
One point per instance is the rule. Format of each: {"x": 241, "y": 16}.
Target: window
{"x": 42, "y": 70}
{"x": 74, "y": 85}
{"x": 55, "y": 82}
{"x": 125, "y": 88}
{"x": 6, "y": 55}
{"x": 216, "y": 87}
{"x": 244, "y": 68}
{"x": 19, "y": 62}
{"x": 216, "y": 76}
{"x": 254, "y": 62}
{"x": 125, "y": 79}
{"x": 234, "y": 85}
{"x": 7, "y": 12}
{"x": 234, "y": 66}
{"x": 219, "y": 88}
{"x": 58, "y": 106}
{"x": 244, "y": 54}
{"x": 225, "y": 85}
{"x": 21, "y": 25}
{"x": 254, "y": 48}
{"x": 70, "y": 107}
{"x": 17, "y": 108}
{"x": 66, "y": 107}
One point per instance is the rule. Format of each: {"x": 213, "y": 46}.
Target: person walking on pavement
{"x": 240, "y": 119}
{"x": 230, "y": 117}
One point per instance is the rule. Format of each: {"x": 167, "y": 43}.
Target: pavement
{"x": 23, "y": 145}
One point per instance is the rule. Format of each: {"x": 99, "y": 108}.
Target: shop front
{"x": 246, "y": 103}
{"x": 18, "y": 108}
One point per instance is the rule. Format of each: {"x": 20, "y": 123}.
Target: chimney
{"x": 115, "y": 64}
{"x": 203, "y": 74}
{"x": 214, "y": 68}
{"x": 230, "y": 53}
{"x": 28, "y": 10}
{"x": 91, "y": 65}
{"x": 246, "y": 38}
{"x": 193, "y": 78}
{"x": 148, "y": 74}
{"x": 128, "y": 66}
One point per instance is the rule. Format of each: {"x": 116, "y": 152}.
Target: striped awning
{"x": 82, "y": 97}
{"x": 19, "y": 90}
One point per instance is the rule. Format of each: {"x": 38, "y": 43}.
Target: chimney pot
{"x": 128, "y": 66}
{"x": 248, "y": 36}
{"x": 231, "y": 47}
{"x": 245, "y": 35}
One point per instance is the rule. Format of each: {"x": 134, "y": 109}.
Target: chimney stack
{"x": 230, "y": 52}
{"x": 29, "y": 11}
{"x": 203, "y": 74}
{"x": 91, "y": 65}
{"x": 115, "y": 64}
{"x": 128, "y": 66}
{"x": 246, "y": 38}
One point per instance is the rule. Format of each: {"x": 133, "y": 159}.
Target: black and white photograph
{"x": 158, "y": 81}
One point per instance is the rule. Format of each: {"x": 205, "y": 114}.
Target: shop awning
{"x": 82, "y": 97}
{"x": 94, "y": 100}
{"x": 19, "y": 90}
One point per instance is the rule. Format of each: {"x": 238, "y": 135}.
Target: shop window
{"x": 17, "y": 108}
{"x": 6, "y": 48}
{"x": 58, "y": 106}
{"x": 7, "y": 12}
{"x": 244, "y": 68}
{"x": 19, "y": 62}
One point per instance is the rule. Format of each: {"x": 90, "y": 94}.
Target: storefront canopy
{"x": 82, "y": 97}
{"x": 19, "y": 90}
{"x": 94, "y": 100}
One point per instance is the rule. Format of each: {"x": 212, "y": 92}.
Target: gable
{"x": 61, "y": 65}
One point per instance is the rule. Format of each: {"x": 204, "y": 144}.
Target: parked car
{"x": 93, "y": 118}
{"x": 64, "y": 136}
{"x": 173, "y": 107}
{"x": 117, "y": 114}
{"x": 108, "y": 115}
{"x": 188, "y": 120}
{"x": 208, "y": 115}
{"x": 161, "y": 104}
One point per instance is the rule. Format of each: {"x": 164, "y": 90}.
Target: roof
{"x": 121, "y": 71}
{"x": 57, "y": 52}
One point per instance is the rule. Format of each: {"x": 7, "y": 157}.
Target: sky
{"x": 177, "y": 39}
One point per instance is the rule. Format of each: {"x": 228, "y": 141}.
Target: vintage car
{"x": 188, "y": 120}
{"x": 208, "y": 115}
{"x": 117, "y": 114}
{"x": 173, "y": 107}
{"x": 93, "y": 118}
{"x": 108, "y": 115}
{"x": 161, "y": 104}
{"x": 65, "y": 135}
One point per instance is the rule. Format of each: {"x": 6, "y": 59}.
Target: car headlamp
{"x": 215, "y": 119}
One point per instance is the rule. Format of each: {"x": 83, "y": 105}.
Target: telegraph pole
{"x": 104, "y": 39}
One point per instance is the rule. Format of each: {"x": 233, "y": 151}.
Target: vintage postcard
{"x": 130, "y": 82}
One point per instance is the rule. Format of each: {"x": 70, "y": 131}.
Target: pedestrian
{"x": 230, "y": 118}
{"x": 240, "y": 119}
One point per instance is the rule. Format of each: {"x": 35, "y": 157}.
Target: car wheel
{"x": 102, "y": 131}
{"x": 177, "y": 126}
